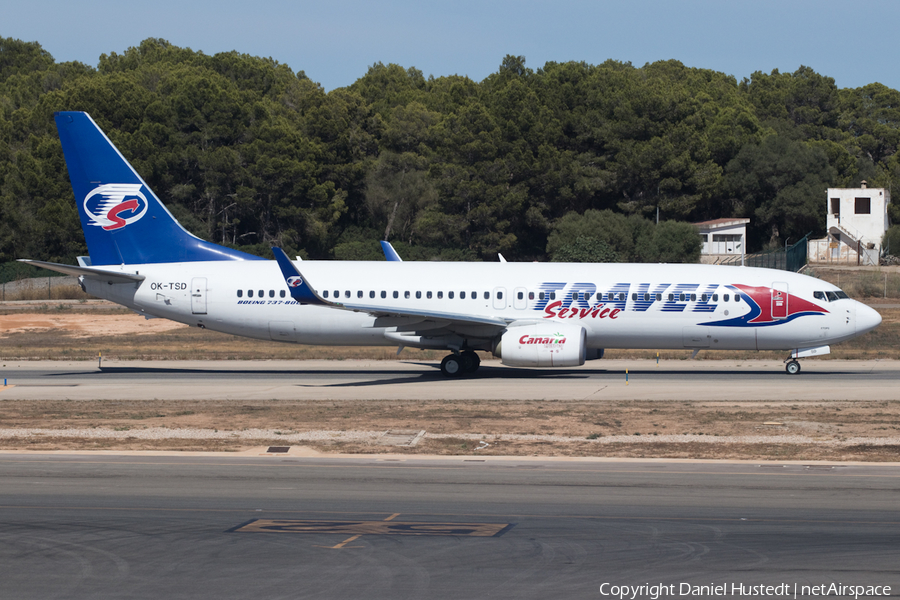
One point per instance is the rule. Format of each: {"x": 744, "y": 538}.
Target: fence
{"x": 21, "y": 281}
{"x": 830, "y": 252}
{"x": 860, "y": 283}
{"x": 790, "y": 259}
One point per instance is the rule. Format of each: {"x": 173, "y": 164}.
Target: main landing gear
{"x": 455, "y": 365}
{"x": 792, "y": 366}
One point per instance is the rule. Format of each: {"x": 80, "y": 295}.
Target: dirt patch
{"x": 780, "y": 431}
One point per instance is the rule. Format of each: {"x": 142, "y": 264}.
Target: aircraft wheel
{"x": 452, "y": 366}
{"x": 470, "y": 361}
{"x": 793, "y": 367}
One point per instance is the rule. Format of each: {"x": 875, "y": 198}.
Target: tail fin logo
{"x": 115, "y": 205}
{"x": 294, "y": 281}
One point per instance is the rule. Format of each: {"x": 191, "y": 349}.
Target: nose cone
{"x": 867, "y": 318}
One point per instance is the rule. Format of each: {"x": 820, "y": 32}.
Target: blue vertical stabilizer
{"x": 123, "y": 220}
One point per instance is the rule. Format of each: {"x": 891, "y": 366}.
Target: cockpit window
{"x": 832, "y": 296}
{"x": 841, "y": 294}
{"x": 819, "y": 295}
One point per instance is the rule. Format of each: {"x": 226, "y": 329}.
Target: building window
{"x": 727, "y": 237}
{"x": 863, "y": 206}
{"x": 836, "y": 207}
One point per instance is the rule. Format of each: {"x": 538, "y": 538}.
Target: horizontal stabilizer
{"x": 89, "y": 272}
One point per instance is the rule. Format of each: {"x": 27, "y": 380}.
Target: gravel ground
{"x": 165, "y": 433}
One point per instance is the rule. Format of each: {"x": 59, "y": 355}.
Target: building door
{"x": 198, "y": 295}
{"x": 779, "y": 300}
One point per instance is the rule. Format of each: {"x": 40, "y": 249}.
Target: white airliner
{"x": 528, "y": 314}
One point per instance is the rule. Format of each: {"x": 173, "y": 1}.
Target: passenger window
{"x": 500, "y": 295}
{"x": 371, "y": 293}
{"x": 671, "y": 297}
{"x": 450, "y": 295}
{"x": 725, "y": 298}
{"x": 396, "y": 294}
{"x": 633, "y": 296}
{"x": 487, "y": 295}
{"x": 646, "y": 297}
{"x": 281, "y": 293}
{"x": 271, "y": 293}
{"x": 737, "y": 297}
{"x": 325, "y": 294}
{"x": 406, "y": 295}
{"x": 704, "y": 298}
{"x": 249, "y": 293}
{"x": 693, "y": 297}
{"x": 240, "y": 293}
{"x": 531, "y": 295}
{"x": 540, "y": 295}
{"x": 474, "y": 295}
{"x": 553, "y": 295}
{"x": 681, "y": 297}
{"x": 715, "y": 297}
{"x": 383, "y": 294}
{"x": 520, "y": 296}
{"x": 428, "y": 295}
{"x": 346, "y": 293}
{"x": 440, "y": 295}
{"x": 359, "y": 293}
{"x": 418, "y": 295}
{"x": 262, "y": 293}
{"x": 337, "y": 294}
{"x": 658, "y": 297}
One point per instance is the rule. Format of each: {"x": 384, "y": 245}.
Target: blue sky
{"x": 335, "y": 42}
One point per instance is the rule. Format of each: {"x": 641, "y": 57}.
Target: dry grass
{"x": 641, "y": 421}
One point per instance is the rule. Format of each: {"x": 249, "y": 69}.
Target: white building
{"x": 856, "y": 222}
{"x": 722, "y": 238}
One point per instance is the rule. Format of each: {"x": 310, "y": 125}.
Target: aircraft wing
{"x": 90, "y": 272}
{"x": 405, "y": 319}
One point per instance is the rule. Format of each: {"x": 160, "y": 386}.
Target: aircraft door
{"x": 499, "y": 298}
{"x": 779, "y": 300}
{"x": 520, "y": 298}
{"x": 198, "y": 295}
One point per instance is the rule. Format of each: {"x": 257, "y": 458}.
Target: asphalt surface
{"x": 106, "y": 526}
{"x": 732, "y": 380}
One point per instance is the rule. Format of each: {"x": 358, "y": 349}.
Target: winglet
{"x": 298, "y": 287}
{"x": 389, "y": 253}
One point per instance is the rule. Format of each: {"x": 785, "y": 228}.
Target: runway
{"x": 106, "y": 526}
{"x": 736, "y": 380}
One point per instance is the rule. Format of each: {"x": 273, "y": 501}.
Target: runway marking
{"x": 358, "y": 528}
{"x": 392, "y": 517}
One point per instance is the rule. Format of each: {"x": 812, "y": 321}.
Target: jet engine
{"x": 543, "y": 345}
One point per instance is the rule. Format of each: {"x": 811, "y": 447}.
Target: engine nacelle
{"x": 543, "y": 345}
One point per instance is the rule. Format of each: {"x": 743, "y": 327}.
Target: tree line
{"x": 571, "y": 161}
